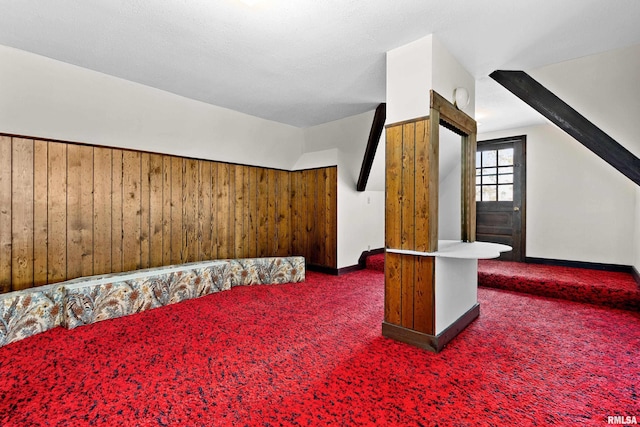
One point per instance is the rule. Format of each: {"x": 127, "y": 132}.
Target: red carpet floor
{"x": 311, "y": 354}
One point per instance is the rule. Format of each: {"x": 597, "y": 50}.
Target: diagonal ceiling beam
{"x": 566, "y": 118}
{"x": 370, "y": 152}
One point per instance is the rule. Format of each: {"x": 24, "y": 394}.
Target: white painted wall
{"x": 448, "y": 74}
{"x": 360, "y": 214}
{"x": 450, "y": 189}
{"x": 449, "y": 205}
{"x": 409, "y": 79}
{"x": 45, "y": 98}
{"x": 578, "y": 207}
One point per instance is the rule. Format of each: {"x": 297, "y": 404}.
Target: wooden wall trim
{"x": 69, "y": 210}
{"x": 569, "y": 120}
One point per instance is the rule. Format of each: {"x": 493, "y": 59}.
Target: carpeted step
{"x": 375, "y": 262}
{"x": 605, "y": 288}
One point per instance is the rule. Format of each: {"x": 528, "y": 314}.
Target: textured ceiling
{"x": 307, "y": 62}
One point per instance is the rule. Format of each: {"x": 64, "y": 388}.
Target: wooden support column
{"x": 411, "y": 223}
{"x": 411, "y": 201}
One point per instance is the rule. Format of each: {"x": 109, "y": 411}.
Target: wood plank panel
{"x": 271, "y": 214}
{"x": 156, "y": 208}
{"x": 283, "y": 210}
{"x": 57, "y": 213}
{"x": 117, "y": 196}
{"x": 205, "y": 219}
{"x": 167, "y": 199}
{"x": 190, "y": 211}
{"x": 222, "y": 214}
{"x": 238, "y": 217}
{"x": 145, "y": 194}
{"x": 131, "y": 210}
{"x": 392, "y": 288}
{"x": 176, "y": 210}
{"x": 263, "y": 212}
{"x": 22, "y": 214}
{"x": 296, "y": 229}
{"x": 312, "y": 221}
{"x": 40, "y": 225}
{"x": 434, "y": 179}
{"x": 407, "y": 291}
{"x": 253, "y": 228}
{"x": 393, "y": 203}
{"x": 231, "y": 191}
{"x": 422, "y": 186}
{"x": 102, "y": 170}
{"x": 321, "y": 213}
{"x": 424, "y": 296}
{"x": 246, "y": 206}
{"x": 214, "y": 210}
{"x": 331, "y": 230}
{"x": 5, "y": 213}
{"x": 79, "y": 211}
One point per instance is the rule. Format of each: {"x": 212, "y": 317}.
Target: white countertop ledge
{"x": 459, "y": 249}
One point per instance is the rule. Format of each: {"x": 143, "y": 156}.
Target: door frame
{"x": 520, "y": 173}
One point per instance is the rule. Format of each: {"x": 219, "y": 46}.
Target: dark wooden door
{"x": 501, "y": 194}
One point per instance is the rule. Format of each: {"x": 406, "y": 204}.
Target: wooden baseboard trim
{"x": 429, "y": 342}
{"x": 581, "y": 264}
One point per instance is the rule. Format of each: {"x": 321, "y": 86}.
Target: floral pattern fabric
{"x": 266, "y": 271}
{"x": 29, "y": 312}
{"x": 87, "y": 300}
{"x": 132, "y": 293}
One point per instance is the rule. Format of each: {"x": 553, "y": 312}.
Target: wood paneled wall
{"x": 69, "y": 210}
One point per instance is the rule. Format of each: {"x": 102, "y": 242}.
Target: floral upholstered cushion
{"x": 116, "y": 295}
{"x": 254, "y": 271}
{"x": 29, "y": 312}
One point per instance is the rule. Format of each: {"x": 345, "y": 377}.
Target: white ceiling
{"x": 306, "y": 62}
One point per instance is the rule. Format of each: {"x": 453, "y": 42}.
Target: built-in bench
{"x": 87, "y": 300}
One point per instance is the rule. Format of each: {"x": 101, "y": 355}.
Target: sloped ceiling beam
{"x": 372, "y": 145}
{"x": 566, "y": 118}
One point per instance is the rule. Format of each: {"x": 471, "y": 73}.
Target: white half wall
{"x": 360, "y": 214}
{"x": 578, "y": 207}
{"x": 45, "y": 98}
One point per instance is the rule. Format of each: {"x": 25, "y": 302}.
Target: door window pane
{"x": 505, "y": 157}
{"x": 505, "y": 179}
{"x": 489, "y": 171}
{"x": 505, "y": 193}
{"x": 489, "y": 158}
{"x": 489, "y": 179}
{"x": 488, "y": 193}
